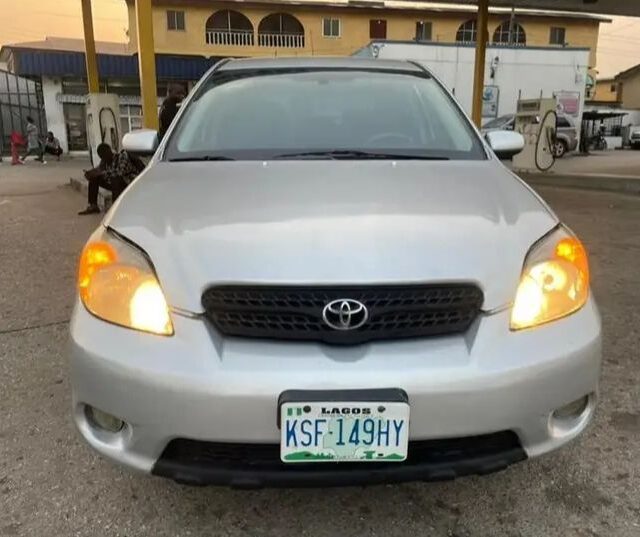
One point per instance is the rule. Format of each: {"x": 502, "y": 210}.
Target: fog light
{"x": 572, "y": 410}
{"x": 103, "y": 420}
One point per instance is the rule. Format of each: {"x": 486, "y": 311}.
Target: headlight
{"x": 118, "y": 284}
{"x": 554, "y": 281}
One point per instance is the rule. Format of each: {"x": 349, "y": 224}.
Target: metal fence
{"x": 19, "y": 98}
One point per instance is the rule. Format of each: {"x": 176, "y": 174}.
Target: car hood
{"x": 331, "y": 222}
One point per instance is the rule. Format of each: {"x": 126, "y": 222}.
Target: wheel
{"x": 559, "y": 148}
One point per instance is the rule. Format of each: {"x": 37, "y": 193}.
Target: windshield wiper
{"x": 200, "y": 158}
{"x": 352, "y": 154}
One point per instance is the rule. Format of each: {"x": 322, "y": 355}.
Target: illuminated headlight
{"x": 554, "y": 281}
{"x": 117, "y": 283}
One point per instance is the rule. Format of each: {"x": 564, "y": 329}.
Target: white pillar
{"x": 54, "y": 111}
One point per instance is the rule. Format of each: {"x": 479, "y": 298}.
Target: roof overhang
{"x": 601, "y": 7}
{"x": 605, "y": 7}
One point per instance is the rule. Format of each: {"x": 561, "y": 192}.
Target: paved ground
{"x": 613, "y": 162}
{"x": 52, "y": 485}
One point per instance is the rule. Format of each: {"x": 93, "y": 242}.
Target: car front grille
{"x": 297, "y": 312}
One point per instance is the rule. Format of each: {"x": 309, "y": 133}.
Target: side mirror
{"x": 505, "y": 144}
{"x": 142, "y": 142}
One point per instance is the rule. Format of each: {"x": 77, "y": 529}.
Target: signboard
{"x": 567, "y": 102}
{"x": 490, "y": 97}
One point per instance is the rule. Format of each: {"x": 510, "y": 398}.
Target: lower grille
{"x": 297, "y": 312}
{"x": 195, "y": 462}
{"x": 268, "y": 455}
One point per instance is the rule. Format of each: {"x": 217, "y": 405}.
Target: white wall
{"x": 519, "y": 69}
{"x": 51, "y": 87}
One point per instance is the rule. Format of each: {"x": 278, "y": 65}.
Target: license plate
{"x": 335, "y": 431}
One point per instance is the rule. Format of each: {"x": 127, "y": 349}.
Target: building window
{"x": 467, "y": 32}
{"x": 510, "y": 33}
{"x": 175, "y": 20}
{"x": 130, "y": 117}
{"x": 331, "y": 27}
{"x": 378, "y": 29}
{"x": 557, "y": 36}
{"x": 423, "y": 31}
{"x": 227, "y": 27}
{"x": 280, "y": 30}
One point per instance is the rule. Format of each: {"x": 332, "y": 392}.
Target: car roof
{"x": 321, "y": 63}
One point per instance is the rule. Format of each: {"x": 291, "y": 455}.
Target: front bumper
{"x": 198, "y": 385}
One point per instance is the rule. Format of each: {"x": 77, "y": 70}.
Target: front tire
{"x": 559, "y": 148}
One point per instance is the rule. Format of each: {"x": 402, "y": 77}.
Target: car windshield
{"x": 289, "y": 114}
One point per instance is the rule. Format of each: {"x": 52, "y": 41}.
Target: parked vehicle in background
{"x": 566, "y": 132}
{"x": 634, "y": 136}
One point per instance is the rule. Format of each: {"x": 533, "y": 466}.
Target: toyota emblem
{"x": 345, "y": 314}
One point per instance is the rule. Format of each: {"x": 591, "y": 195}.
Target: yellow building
{"x": 628, "y": 83}
{"x": 607, "y": 91}
{"x": 290, "y": 28}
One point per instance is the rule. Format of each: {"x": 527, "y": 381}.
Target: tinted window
{"x": 175, "y": 20}
{"x": 498, "y": 122}
{"x": 249, "y": 115}
{"x": 423, "y": 31}
{"x": 557, "y": 36}
{"x": 562, "y": 122}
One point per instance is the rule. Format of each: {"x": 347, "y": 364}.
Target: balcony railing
{"x": 239, "y": 38}
{"x": 281, "y": 40}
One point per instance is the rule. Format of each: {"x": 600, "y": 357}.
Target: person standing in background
{"x": 169, "y": 109}
{"x": 33, "y": 142}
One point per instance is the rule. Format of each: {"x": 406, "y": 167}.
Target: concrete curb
{"x": 624, "y": 184}
{"x": 104, "y": 196}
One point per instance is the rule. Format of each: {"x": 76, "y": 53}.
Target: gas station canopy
{"x": 605, "y": 7}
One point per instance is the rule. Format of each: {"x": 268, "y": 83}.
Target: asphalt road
{"x": 51, "y": 484}
{"x": 610, "y": 162}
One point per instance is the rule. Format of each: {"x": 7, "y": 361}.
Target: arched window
{"x": 227, "y": 27}
{"x": 280, "y": 30}
{"x": 510, "y": 33}
{"x": 467, "y": 32}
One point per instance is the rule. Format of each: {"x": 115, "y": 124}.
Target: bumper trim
{"x": 200, "y": 471}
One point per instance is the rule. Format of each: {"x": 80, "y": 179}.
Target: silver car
{"x": 325, "y": 276}
{"x": 566, "y": 132}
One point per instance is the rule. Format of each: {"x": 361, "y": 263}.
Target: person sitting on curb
{"x": 115, "y": 172}
{"x": 52, "y": 145}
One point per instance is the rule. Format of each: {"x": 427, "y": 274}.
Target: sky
{"x": 618, "y": 47}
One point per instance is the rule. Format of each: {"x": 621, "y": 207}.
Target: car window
{"x": 253, "y": 114}
{"x": 562, "y": 122}
{"x": 498, "y": 122}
